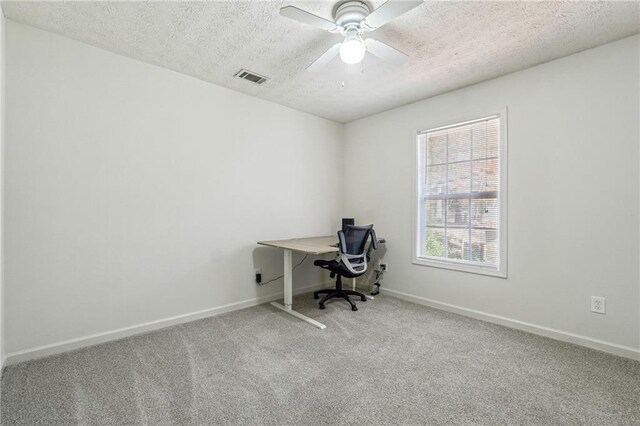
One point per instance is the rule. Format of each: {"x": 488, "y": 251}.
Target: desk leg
{"x": 288, "y": 279}
{"x": 288, "y": 292}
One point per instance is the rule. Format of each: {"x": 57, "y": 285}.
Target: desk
{"x": 314, "y": 245}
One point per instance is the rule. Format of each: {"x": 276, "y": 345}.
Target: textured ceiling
{"x": 450, "y": 44}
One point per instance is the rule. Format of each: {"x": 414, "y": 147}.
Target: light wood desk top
{"x": 313, "y": 245}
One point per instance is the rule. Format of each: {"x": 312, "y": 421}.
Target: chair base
{"x": 338, "y": 292}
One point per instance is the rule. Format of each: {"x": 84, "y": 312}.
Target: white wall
{"x": 573, "y": 136}
{"x": 134, "y": 193}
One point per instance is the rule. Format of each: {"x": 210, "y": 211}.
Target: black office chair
{"x": 350, "y": 263}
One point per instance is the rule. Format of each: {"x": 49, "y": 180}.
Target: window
{"x": 461, "y": 196}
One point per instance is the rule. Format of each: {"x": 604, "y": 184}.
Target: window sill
{"x": 460, "y": 267}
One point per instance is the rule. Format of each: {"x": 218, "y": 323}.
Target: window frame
{"x": 452, "y": 264}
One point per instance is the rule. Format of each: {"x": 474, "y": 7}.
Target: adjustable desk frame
{"x": 315, "y": 245}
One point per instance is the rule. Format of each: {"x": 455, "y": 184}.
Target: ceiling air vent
{"x": 251, "y": 76}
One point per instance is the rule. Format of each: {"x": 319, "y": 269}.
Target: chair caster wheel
{"x": 315, "y": 296}
{"x": 364, "y": 299}
{"x": 354, "y": 308}
{"x": 321, "y": 306}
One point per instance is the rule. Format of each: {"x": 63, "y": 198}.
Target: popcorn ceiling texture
{"x": 450, "y": 44}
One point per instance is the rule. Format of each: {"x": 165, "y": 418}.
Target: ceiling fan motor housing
{"x": 350, "y": 13}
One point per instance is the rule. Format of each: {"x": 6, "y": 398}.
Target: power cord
{"x": 282, "y": 276}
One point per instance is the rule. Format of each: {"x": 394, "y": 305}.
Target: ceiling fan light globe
{"x": 352, "y": 51}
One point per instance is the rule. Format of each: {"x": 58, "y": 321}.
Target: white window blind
{"x": 459, "y": 190}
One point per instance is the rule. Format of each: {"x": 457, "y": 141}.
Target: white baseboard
{"x": 612, "y": 348}
{"x": 108, "y": 336}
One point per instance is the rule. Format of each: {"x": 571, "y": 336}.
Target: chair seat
{"x": 335, "y": 267}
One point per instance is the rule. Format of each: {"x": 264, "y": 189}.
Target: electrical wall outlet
{"x": 598, "y": 305}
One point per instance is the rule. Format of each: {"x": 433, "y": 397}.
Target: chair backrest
{"x": 353, "y": 247}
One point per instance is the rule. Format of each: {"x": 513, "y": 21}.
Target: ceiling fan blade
{"x": 388, "y": 11}
{"x": 385, "y": 52}
{"x": 300, "y": 15}
{"x": 325, "y": 58}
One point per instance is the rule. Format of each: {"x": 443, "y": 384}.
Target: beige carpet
{"x": 392, "y": 362}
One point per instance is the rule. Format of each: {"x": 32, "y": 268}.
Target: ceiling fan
{"x": 351, "y": 18}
